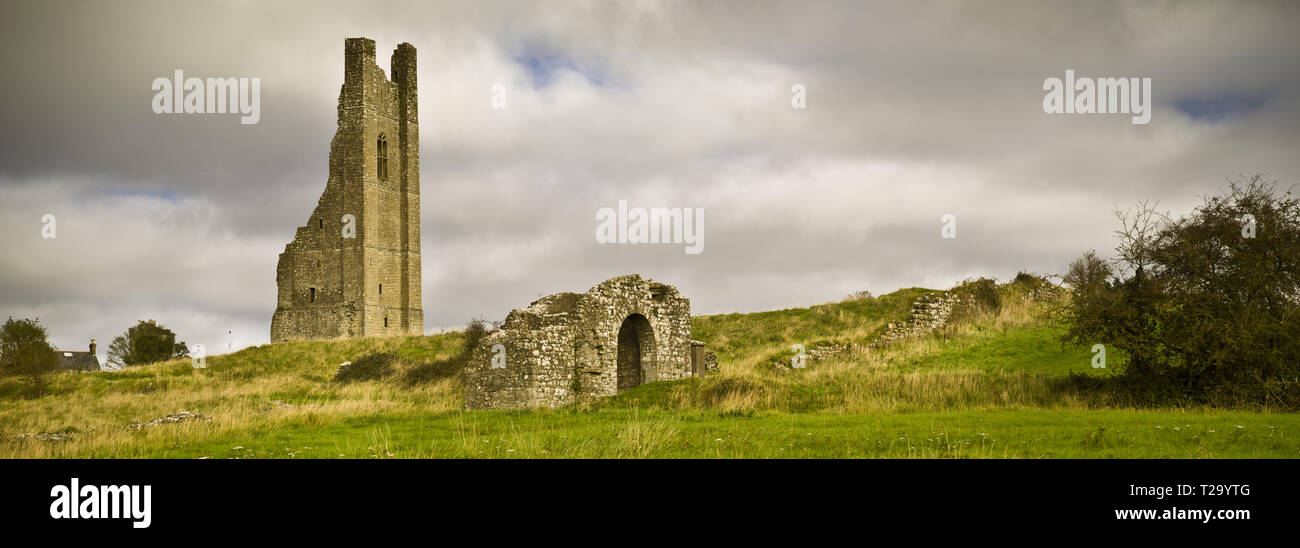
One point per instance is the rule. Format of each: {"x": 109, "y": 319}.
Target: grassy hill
{"x": 991, "y": 385}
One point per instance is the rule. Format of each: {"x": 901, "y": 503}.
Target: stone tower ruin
{"x": 354, "y": 269}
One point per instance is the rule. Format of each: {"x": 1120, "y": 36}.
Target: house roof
{"x": 74, "y": 360}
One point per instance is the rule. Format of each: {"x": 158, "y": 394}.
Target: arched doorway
{"x": 636, "y": 349}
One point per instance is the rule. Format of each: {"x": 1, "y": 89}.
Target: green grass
{"x": 993, "y": 386}
{"x": 638, "y": 433}
{"x": 737, "y": 336}
{"x": 1034, "y": 349}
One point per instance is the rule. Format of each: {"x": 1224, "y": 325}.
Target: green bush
{"x": 1204, "y": 306}
{"x": 979, "y": 296}
{"x": 430, "y": 371}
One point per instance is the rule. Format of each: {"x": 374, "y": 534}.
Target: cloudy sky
{"x": 914, "y": 110}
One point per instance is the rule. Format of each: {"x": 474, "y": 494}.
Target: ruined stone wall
{"x": 930, "y": 313}
{"x": 565, "y": 347}
{"x": 330, "y": 285}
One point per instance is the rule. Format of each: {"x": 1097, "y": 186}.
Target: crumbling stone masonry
{"x": 354, "y": 269}
{"x": 929, "y": 314}
{"x": 572, "y": 347}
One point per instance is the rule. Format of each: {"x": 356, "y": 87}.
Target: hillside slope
{"x": 989, "y": 385}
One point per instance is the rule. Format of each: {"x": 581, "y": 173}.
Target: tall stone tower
{"x": 354, "y": 269}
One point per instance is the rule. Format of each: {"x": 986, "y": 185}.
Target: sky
{"x": 913, "y": 111}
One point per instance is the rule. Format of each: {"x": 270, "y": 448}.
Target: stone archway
{"x": 575, "y": 347}
{"x": 636, "y": 351}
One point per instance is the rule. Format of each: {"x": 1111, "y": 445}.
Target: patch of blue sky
{"x": 1218, "y": 108}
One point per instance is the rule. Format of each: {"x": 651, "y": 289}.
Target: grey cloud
{"x": 915, "y": 109}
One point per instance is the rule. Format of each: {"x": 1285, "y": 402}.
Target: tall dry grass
{"x": 283, "y": 384}
{"x": 870, "y": 380}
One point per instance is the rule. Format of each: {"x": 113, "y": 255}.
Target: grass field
{"x": 990, "y": 386}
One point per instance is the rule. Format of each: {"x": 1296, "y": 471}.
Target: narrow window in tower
{"x": 385, "y": 321}
{"x": 320, "y": 223}
{"x": 381, "y": 289}
{"x": 382, "y": 149}
{"x": 313, "y": 294}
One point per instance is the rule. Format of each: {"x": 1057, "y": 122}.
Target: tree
{"x": 25, "y": 351}
{"x": 145, "y": 342}
{"x": 1204, "y": 305}
{"x": 119, "y": 350}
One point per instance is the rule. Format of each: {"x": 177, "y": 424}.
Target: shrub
{"x": 1029, "y": 279}
{"x": 1204, "y": 306}
{"x": 863, "y": 295}
{"x": 978, "y": 297}
{"x": 430, "y": 371}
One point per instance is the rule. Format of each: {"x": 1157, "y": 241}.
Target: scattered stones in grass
{"x": 46, "y": 436}
{"x": 173, "y": 418}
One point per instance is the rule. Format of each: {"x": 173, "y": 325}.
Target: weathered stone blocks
{"x": 354, "y": 269}
{"x": 574, "y": 347}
